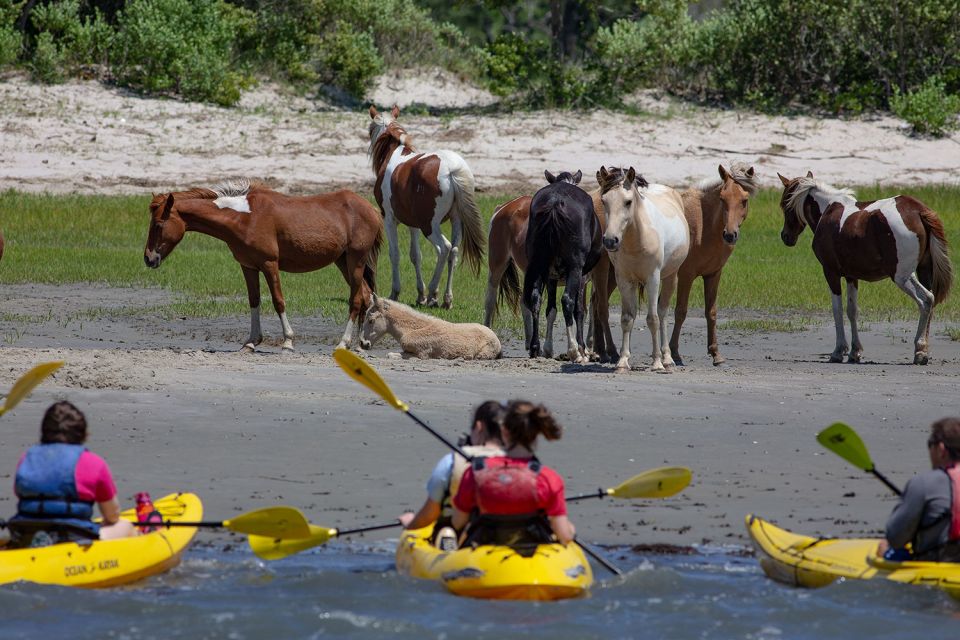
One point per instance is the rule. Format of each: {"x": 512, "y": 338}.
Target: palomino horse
{"x": 506, "y": 252}
{"x": 898, "y": 238}
{"x": 269, "y": 232}
{"x": 563, "y": 242}
{"x": 421, "y": 190}
{"x": 648, "y": 239}
{"x": 424, "y": 336}
{"x": 715, "y": 210}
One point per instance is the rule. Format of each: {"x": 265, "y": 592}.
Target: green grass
{"x": 782, "y": 325}
{"x": 99, "y": 239}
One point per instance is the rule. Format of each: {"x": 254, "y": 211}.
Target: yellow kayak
{"x": 805, "y": 561}
{"x": 553, "y": 571}
{"x": 107, "y": 563}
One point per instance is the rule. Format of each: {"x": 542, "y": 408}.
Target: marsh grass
{"x": 99, "y": 239}
{"x": 767, "y": 325}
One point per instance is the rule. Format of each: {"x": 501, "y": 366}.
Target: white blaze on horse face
{"x": 237, "y": 203}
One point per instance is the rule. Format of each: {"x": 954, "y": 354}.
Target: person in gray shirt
{"x": 926, "y": 517}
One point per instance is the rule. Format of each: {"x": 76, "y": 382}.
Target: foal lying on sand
{"x": 424, "y": 336}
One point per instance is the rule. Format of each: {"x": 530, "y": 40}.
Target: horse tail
{"x": 942, "y": 267}
{"x": 510, "y": 289}
{"x": 470, "y": 219}
{"x": 370, "y": 268}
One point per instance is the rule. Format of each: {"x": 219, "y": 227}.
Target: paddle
{"x": 275, "y": 548}
{"x": 662, "y": 482}
{"x": 277, "y": 522}
{"x": 844, "y": 441}
{"x": 358, "y": 369}
{"x": 25, "y": 384}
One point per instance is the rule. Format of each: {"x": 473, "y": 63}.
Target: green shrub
{"x": 11, "y": 40}
{"x": 47, "y": 62}
{"x": 80, "y": 41}
{"x": 349, "y": 59}
{"x": 181, "y": 46}
{"x": 929, "y": 108}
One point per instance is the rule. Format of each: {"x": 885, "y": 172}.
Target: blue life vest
{"x": 46, "y": 484}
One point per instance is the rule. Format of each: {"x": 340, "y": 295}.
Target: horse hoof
{"x": 621, "y": 369}
{"x": 718, "y": 360}
{"x": 448, "y": 302}
{"x": 287, "y": 346}
{"x": 248, "y": 348}
{"x": 853, "y": 359}
{"x": 836, "y": 358}
{"x": 921, "y": 358}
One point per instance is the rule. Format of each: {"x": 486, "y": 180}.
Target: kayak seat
{"x": 523, "y": 533}
{"x": 27, "y": 533}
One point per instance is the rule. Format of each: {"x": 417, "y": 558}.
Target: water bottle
{"x": 146, "y": 512}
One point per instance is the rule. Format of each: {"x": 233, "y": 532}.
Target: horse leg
{"x": 628, "y": 312}
{"x": 452, "y": 259}
{"x": 496, "y": 266}
{"x": 417, "y": 259}
{"x": 856, "y": 349}
{"x": 443, "y": 248}
{"x": 271, "y": 272}
{"x": 711, "y": 285}
{"x": 252, "y": 278}
{"x": 390, "y": 226}
{"x": 573, "y": 315}
{"x": 532, "y": 294}
{"x": 551, "y": 318}
{"x": 352, "y": 269}
{"x": 668, "y": 286}
{"x": 841, "y": 348}
{"x": 653, "y": 319}
{"x": 924, "y": 299}
{"x": 684, "y": 284}
{"x": 603, "y": 311}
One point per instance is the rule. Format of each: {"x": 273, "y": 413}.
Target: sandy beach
{"x": 173, "y": 405}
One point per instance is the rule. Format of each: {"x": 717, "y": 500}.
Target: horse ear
{"x": 602, "y": 174}
{"x": 373, "y": 112}
{"x": 723, "y": 172}
{"x": 395, "y": 112}
{"x": 549, "y": 176}
{"x": 167, "y": 207}
{"x": 750, "y": 172}
{"x": 631, "y": 176}
{"x": 809, "y": 174}
{"x": 785, "y": 182}
{"x": 577, "y": 177}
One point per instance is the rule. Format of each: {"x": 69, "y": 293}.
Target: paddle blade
{"x": 662, "y": 482}
{"x": 270, "y": 548}
{"x": 273, "y": 522}
{"x": 358, "y": 369}
{"x": 844, "y": 441}
{"x": 26, "y": 383}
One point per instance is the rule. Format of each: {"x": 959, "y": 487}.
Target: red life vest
{"x": 506, "y": 486}
{"x": 953, "y": 472}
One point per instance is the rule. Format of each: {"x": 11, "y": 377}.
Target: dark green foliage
{"x": 11, "y": 40}
{"x": 67, "y": 40}
{"x": 349, "y": 59}
{"x": 928, "y": 109}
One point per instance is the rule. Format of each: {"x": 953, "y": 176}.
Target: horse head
{"x": 166, "y": 229}
{"x": 791, "y": 204}
{"x": 620, "y": 193}
{"x": 734, "y": 198}
{"x": 375, "y": 321}
{"x": 564, "y": 176}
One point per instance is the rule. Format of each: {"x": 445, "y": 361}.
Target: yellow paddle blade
{"x": 271, "y": 548}
{"x": 274, "y": 522}
{"x": 26, "y": 383}
{"x": 844, "y": 441}
{"x": 358, "y": 369}
{"x": 655, "y": 483}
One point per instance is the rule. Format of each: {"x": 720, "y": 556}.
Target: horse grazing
{"x": 648, "y": 238}
{"x": 424, "y": 336}
{"x": 269, "y": 232}
{"x": 421, "y": 190}
{"x": 715, "y": 209}
{"x": 898, "y": 238}
{"x": 563, "y": 242}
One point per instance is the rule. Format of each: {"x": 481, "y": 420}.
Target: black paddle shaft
{"x": 438, "y": 436}
{"x": 885, "y": 481}
{"x": 601, "y": 493}
{"x": 376, "y": 527}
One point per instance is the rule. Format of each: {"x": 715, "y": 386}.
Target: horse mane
{"x": 738, "y": 171}
{"x": 230, "y": 188}
{"x": 806, "y": 186}
{"x": 615, "y": 176}
{"x": 381, "y": 139}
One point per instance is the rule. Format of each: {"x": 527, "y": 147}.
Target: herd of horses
{"x": 648, "y": 240}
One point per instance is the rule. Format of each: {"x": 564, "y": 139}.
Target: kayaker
{"x": 513, "y": 499}
{"x": 59, "y": 480}
{"x": 483, "y": 440}
{"x": 928, "y": 514}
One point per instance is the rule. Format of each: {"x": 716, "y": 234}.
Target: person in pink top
{"x": 59, "y": 480}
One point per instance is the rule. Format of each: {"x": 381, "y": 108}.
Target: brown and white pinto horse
{"x": 421, "y": 190}
{"x": 898, "y": 238}
{"x": 715, "y": 209}
{"x": 269, "y": 232}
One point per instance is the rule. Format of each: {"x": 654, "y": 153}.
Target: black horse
{"x": 564, "y": 240}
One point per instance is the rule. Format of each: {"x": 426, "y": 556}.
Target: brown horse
{"x": 715, "y": 210}
{"x": 898, "y": 238}
{"x": 269, "y": 232}
{"x": 506, "y": 253}
{"x": 421, "y": 190}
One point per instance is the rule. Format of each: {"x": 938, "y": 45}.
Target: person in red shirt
{"x": 513, "y": 498}
{"x": 59, "y": 480}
